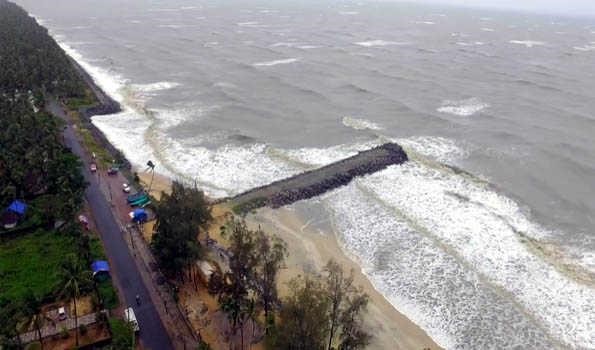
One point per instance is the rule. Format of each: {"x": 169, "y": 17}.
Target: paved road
{"x": 153, "y": 334}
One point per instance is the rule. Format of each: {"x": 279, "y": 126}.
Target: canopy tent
{"x": 100, "y": 266}
{"x": 139, "y": 215}
{"x": 17, "y": 207}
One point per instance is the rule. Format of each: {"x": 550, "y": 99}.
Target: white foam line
{"x": 276, "y": 62}
{"x": 527, "y": 43}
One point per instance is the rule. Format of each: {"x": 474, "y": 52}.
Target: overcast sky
{"x": 566, "y": 7}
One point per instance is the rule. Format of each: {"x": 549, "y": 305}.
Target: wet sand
{"x": 309, "y": 250}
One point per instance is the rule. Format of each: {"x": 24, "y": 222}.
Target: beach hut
{"x": 139, "y": 215}
{"x": 100, "y": 268}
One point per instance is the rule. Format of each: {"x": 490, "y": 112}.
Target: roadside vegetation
{"x": 322, "y": 311}
{"x": 46, "y": 257}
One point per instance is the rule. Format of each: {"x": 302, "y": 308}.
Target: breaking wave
{"x": 276, "y": 62}
{"x": 463, "y": 108}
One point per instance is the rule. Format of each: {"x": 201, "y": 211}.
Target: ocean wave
{"x": 463, "y": 108}
{"x": 584, "y": 48}
{"x": 360, "y": 124}
{"x": 276, "y": 62}
{"x": 528, "y": 43}
{"x": 487, "y": 29}
{"x": 487, "y": 231}
{"x": 348, "y": 13}
{"x": 109, "y": 81}
{"x": 308, "y": 47}
{"x": 425, "y": 22}
{"x": 373, "y": 43}
{"x": 421, "y": 278}
{"x": 439, "y": 149}
{"x": 158, "y": 86}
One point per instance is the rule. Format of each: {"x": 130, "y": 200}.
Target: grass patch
{"x": 32, "y": 262}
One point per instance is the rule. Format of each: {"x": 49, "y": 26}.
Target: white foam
{"x": 172, "y": 26}
{"x": 284, "y": 44}
{"x": 276, "y": 62}
{"x": 252, "y": 24}
{"x": 481, "y": 227}
{"x": 487, "y": 29}
{"x": 440, "y": 149}
{"x": 360, "y": 124}
{"x": 585, "y": 48}
{"x": 308, "y": 47}
{"x": 463, "y": 108}
{"x": 109, "y": 81}
{"x": 527, "y": 43}
{"x": 373, "y": 43}
{"x": 348, "y": 13}
{"x": 425, "y": 22}
{"x": 158, "y": 86}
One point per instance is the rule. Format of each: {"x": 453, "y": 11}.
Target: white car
{"x": 129, "y": 316}
{"x": 126, "y": 188}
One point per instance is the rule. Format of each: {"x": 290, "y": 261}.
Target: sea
{"x": 485, "y": 238}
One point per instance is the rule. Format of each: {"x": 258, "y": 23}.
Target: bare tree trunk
{"x": 38, "y": 332}
{"x": 76, "y": 324}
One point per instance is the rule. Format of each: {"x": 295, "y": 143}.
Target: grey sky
{"x": 572, "y": 7}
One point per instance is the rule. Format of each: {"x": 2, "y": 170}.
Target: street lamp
{"x": 151, "y": 165}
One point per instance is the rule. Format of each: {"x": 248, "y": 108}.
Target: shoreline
{"x": 308, "y": 250}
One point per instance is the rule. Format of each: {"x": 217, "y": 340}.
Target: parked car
{"x": 131, "y": 317}
{"x": 61, "y": 313}
{"x": 112, "y": 170}
{"x": 93, "y": 167}
{"x": 126, "y": 188}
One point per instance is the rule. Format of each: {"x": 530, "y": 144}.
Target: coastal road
{"x": 153, "y": 334}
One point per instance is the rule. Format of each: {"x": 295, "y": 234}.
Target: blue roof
{"x": 139, "y": 212}
{"x": 99, "y": 266}
{"x": 18, "y": 207}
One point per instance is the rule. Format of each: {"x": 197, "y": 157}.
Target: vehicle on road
{"x": 93, "y": 167}
{"x": 61, "y": 313}
{"x": 129, "y": 316}
{"x": 113, "y": 170}
{"x": 136, "y": 196}
{"x": 126, "y": 188}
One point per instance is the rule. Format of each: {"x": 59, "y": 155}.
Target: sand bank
{"x": 309, "y": 250}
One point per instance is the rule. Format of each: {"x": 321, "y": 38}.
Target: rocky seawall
{"x": 318, "y": 181}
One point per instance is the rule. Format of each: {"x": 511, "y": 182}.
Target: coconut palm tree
{"x": 74, "y": 278}
{"x": 32, "y": 308}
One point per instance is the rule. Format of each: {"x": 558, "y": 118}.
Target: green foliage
{"x": 179, "y": 218}
{"x": 322, "y": 313}
{"x": 31, "y": 263}
{"x": 108, "y": 294}
{"x": 122, "y": 334}
{"x": 30, "y": 58}
{"x": 304, "y": 316}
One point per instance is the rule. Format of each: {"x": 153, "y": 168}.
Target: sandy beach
{"x": 309, "y": 250}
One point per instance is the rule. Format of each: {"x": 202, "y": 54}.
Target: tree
{"x": 73, "y": 280}
{"x": 353, "y": 337}
{"x": 337, "y": 286}
{"x": 304, "y": 316}
{"x": 179, "y": 218}
{"x": 10, "y": 314}
{"x": 235, "y": 298}
{"x": 33, "y": 312}
{"x": 270, "y": 256}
